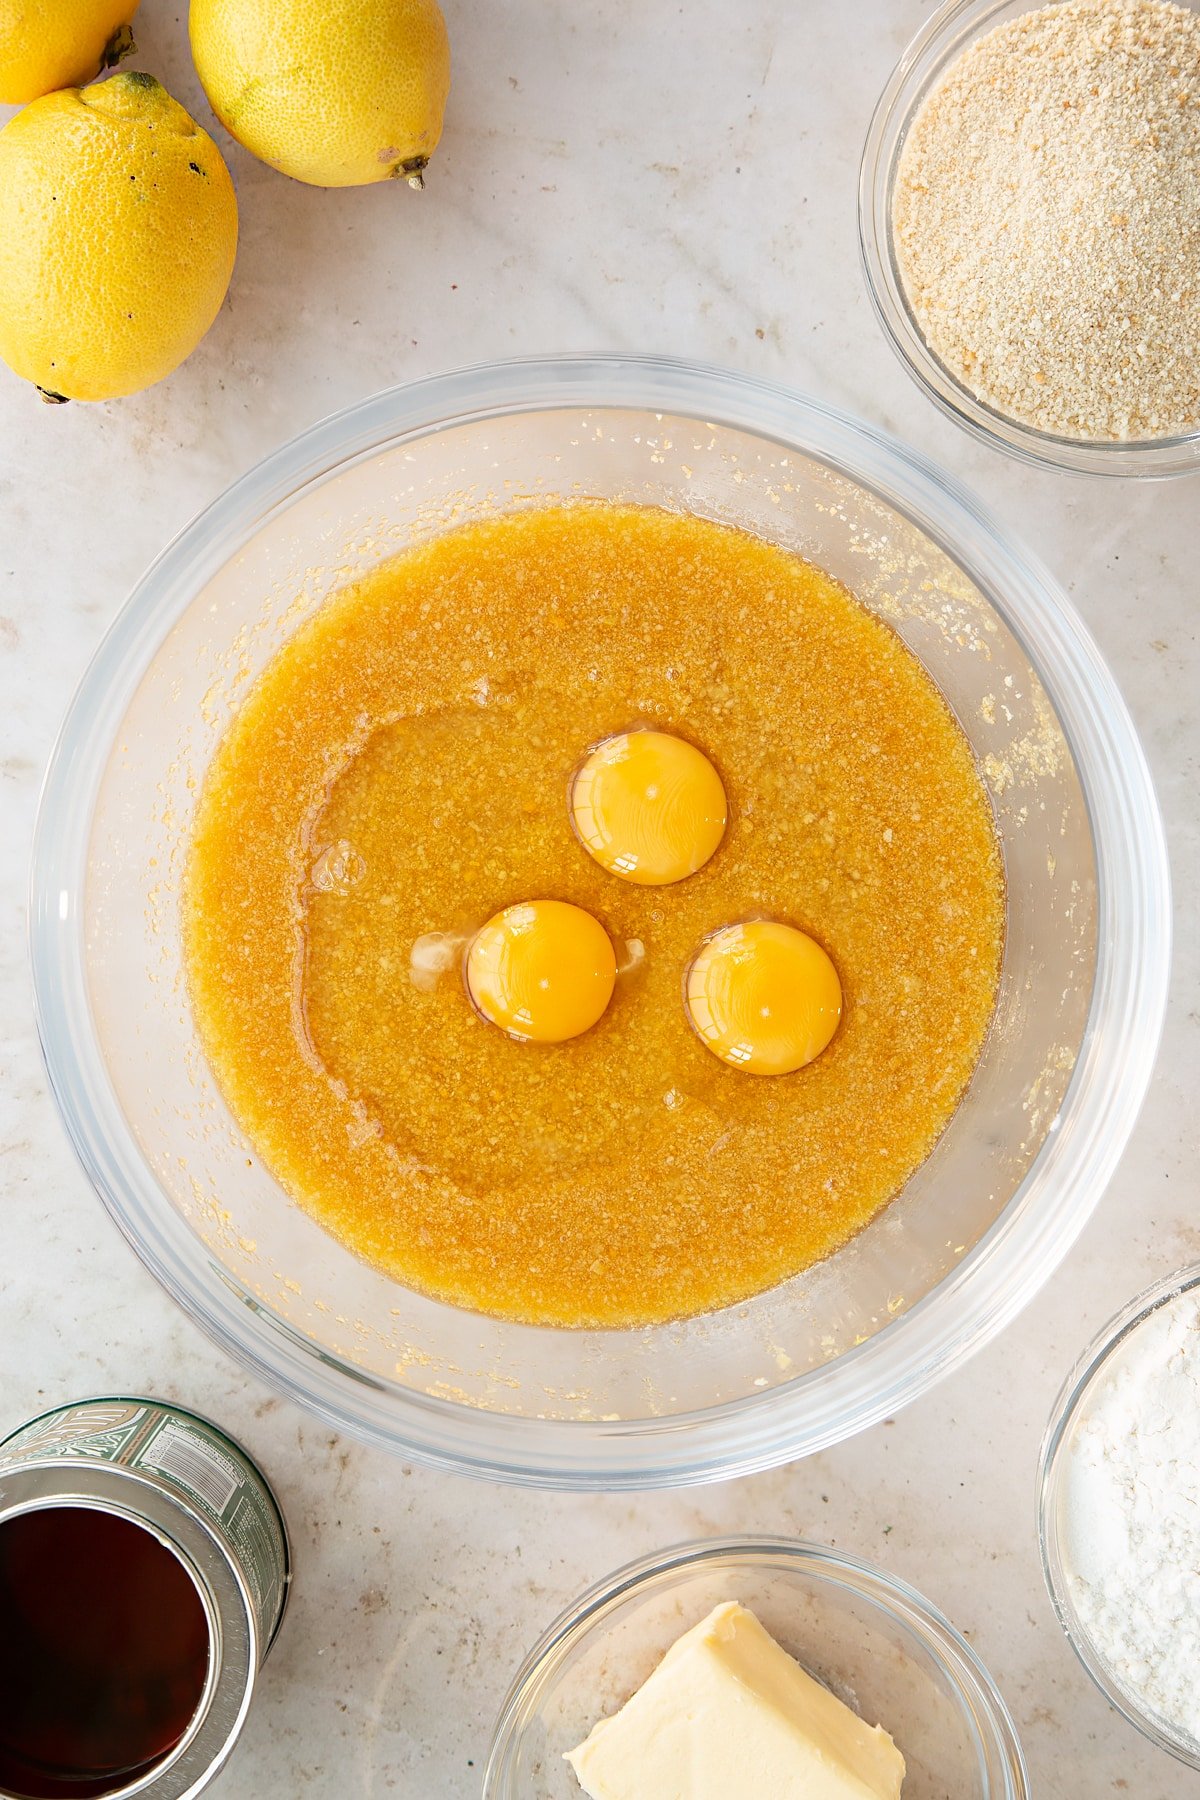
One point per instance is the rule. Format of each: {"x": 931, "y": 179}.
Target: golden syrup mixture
{"x": 402, "y": 769}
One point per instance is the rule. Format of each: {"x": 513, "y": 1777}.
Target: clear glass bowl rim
{"x": 939, "y": 40}
{"x": 972, "y": 1684}
{"x": 1042, "y": 1220}
{"x": 1051, "y": 1467}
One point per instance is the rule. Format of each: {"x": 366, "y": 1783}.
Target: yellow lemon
{"x": 334, "y": 92}
{"x": 118, "y": 229}
{"x": 48, "y": 44}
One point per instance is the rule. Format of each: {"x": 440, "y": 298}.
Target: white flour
{"x": 1132, "y": 1515}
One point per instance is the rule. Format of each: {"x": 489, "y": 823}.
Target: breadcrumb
{"x": 1046, "y": 219}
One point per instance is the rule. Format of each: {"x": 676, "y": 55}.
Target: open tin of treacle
{"x": 144, "y": 1571}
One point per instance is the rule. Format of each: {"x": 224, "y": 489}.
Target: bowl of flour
{"x": 1119, "y": 1506}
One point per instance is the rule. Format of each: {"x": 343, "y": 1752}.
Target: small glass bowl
{"x": 940, "y": 41}
{"x": 1067, "y": 1413}
{"x": 870, "y": 1638}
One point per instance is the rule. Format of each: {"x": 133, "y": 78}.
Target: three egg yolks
{"x": 650, "y": 807}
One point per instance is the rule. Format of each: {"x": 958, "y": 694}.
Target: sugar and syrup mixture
{"x": 1046, "y": 219}
{"x": 402, "y": 768}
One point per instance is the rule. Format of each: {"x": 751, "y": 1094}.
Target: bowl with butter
{"x": 756, "y": 1666}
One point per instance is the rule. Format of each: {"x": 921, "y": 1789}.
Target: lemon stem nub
{"x": 51, "y": 398}
{"x": 119, "y": 45}
{"x": 413, "y": 170}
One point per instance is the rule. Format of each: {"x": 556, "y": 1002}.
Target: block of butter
{"x": 728, "y": 1713}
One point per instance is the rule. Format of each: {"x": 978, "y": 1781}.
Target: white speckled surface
{"x": 577, "y": 203}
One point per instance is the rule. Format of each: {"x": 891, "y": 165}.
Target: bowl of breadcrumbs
{"x": 1029, "y": 214}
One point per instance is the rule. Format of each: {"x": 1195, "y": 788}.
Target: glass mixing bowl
{"x": 941, "y": 41}
{"x": 978, "y": 1227}
{"x": 870, "y": 1638}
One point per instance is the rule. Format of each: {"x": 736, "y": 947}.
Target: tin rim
{"x": 185, "y": 1412}
{"x": 234, "y": 1648}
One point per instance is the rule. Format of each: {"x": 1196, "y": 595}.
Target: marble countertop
{"x": 579, "y": 201}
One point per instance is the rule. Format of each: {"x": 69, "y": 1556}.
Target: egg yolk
{"x": 763, "y": 996}
{"x": 542, "y": 970}
{"x": 649, "y": 807}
